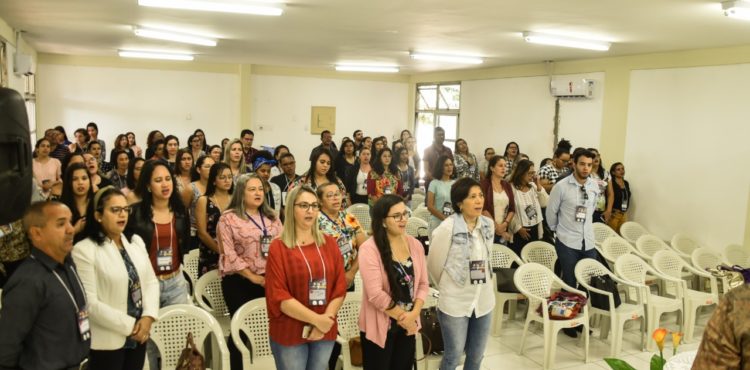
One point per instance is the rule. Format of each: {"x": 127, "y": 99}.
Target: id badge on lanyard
{"x": 478, "y": 272}
{"x": 164, "y": 255}
{"x": 136, "y": 295}
{"x": 530, "y": 212}
{"x": 84, "y": 327}
{"x": 345, "y": 244}
{"x": 580, "y": 214}
{"x": 447, "y": 209}
{"x": 624, "y": 204}
{"x": 317, "y": 292}
{"x": 265, "y": 245}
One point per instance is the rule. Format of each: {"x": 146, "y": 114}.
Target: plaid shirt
{"x": 551, "y": 173}
{"x": 287, "y": 277}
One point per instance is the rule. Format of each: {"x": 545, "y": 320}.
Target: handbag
{"x": 563, "y": 305}
{"x": 505, "y": 283}
{"x": 605, "y": 283}
{"x": 191, "y": 358}
{"x": 355, "y": 351}
{"x": 735, "y": 275}
{"x": 431, "y": 330}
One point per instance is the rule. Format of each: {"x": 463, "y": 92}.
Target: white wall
{"x": 138, "y": 100}
{"x": 494, "y": 112}
{"x": 281, "y": 110}
{"x": 687, "y": 150}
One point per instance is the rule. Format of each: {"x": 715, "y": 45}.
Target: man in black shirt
{"x": 326, "y": 142}
{"x": 286, "y": 179}
{"x": 44, "y": 318}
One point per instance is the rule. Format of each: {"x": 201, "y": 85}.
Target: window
{"x": 437, "y": 105}
{"x": 30, "y": 97}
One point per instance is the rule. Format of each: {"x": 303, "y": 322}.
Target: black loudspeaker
{"x": 15, "y": 157}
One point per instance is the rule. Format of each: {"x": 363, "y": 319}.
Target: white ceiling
{"x": 320, "y": 33}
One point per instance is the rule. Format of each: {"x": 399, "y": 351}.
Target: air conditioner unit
{"x": 572, "y": 88}
{"x": 22, "y": 64}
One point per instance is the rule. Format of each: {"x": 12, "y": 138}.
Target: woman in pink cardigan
{"x": 394, "y": 272}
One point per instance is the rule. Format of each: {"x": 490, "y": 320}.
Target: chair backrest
{"x": 502, "y": 256}
{"x": 669, "y": 263}
{"x": 252, "y": 320}
{"x": 169, "y": 333}
{"x": 632, "y": 230}
{"x": 631, "y": 268}
{"x": 362, "y": 213}
{"x": 650, "y": 244}
{"x": 535, "y": 279}
{"x": 417, "y": 199}
{"x": 417, "y": 227}
{"x": 588, "y": 267}
{"x": 422, "y": 212}
{"x": 190, "y": 262}
{"x": 704, "y": 258}
{"x": 684, "y": 245}
{"x": 735, "y": 254}
{"x": 614, "y": 247}
{"x": 602, "y": 232}
{"x": 348, "y": 315}
{"x": 540, "y": 252}
{"x": 209, "y": 295}
{"x": 357, "y": 282}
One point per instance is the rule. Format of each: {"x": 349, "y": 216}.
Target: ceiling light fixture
{"x": 155, "y": 55}
{"x": 214, "y": 6}
{"x": 171, "y": 36}
{"x": 565, "y": 41}
{"x": 447, "y": 58}
{"x": 362, "y": 68}
{"x": 736, "y": 9}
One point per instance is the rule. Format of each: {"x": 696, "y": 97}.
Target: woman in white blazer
{"x": 121, "y": 288}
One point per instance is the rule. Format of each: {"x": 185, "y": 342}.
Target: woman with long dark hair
{"x": 406, "y": 173}
{"x": 439, "y": 192}
{"x": 119, "y": 174}
{"x": 121, "y": 143}
{"x": 322, "y": 171}
{"x": 137, "y": 151}
{"x": 620, "y": 197}
{"x": 77, "y": 192}
{"x": 499, "y": 203}
{"x": 394, "y": 273}
{"x": 346, "y": 159}
{"x": 204, "y": 143}
{"x": 208, "y": 210}
{"x": 134, "y": 173}
{"x": 512, "y": 156}
{"x": 383, "y": 179}
{"x": 277, "y": 153}
{"x": 190, "y": 194}
{"x": 356, "y": 183}
{"x": 530, "y": 197}
{"x": 47, "y": 170}
{"x": 171, "y": 149}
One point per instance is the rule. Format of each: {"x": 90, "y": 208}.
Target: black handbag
{"x": 424, "y": 239}
{"x": 505, "y": 283}
{"x": 601, "y": 301}
{"x": 431, "y": 330}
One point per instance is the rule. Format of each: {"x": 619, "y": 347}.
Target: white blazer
{"x": 105, "y": 279}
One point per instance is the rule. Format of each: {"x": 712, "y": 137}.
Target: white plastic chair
{"x": 735, "y": 254}
{"x": 357, "y": 282}
{"x": 705, "y": 258}
{"x": 417, "y": 200}
{"x": 210, "y": 296}
{"x": 190, "y": 267}
{"x": 670, "y": 263}
{"x": 348, "y": 325}
{"x": 602, "y": 232}
{"x": 632, "y": 230}
{"x": 584, "y": 270}
{"x": 362, "y": 213}
{"x": 535, "y": 281}
{"x": 422, "y": 213}
{"x": 649, "y": 244}
{"x": 417, "y": 227}
{"x": 251, "y": 319}
{"x": 502, "y": 256}
{"x": 170, "y": 331}
{"x": 614, "y": 247}
{"x": 633, "y": 270}
{"x": 684, "y": 246}
{"x": 540, "y": 252}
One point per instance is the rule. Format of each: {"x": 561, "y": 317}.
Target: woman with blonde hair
{"x": 235, "y": 158}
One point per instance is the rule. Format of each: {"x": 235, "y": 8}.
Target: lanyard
{"x": 299, "y": 247}
{"x": 336, "y": 224}
{"x": 256, "y": 224}
{"x": 171, "y": 235}
{"x": 288, "y": 182}
{"x": 70, "y": 294}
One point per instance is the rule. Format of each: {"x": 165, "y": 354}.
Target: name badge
{"x": 624, "y": 205}
{"x": 477, "y": 272}
{"x": 164, "y": 259}
{"x": 447, "y": 209}
{"x": 530, "y": 212}
{"x": 283, "y": 199}
{"x": 317, "y": 293}
{"x": 136, "y": 295}
{"x": 84, "y": 328}
{"x": 265, "y": 245}
{"x": 345, "y": 245}
{"x": 580, "y": 214}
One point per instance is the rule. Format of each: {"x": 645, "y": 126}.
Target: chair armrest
{"x": 570, "y": 289}
{"x": 697, "y": 271}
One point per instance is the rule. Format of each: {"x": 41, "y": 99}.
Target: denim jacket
{"x": 457, "y": 263}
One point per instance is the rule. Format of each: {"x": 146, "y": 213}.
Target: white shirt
{"x": 456, "y": 300}
{"x": 500, "y": 202}
{"x": 362, "y": 183}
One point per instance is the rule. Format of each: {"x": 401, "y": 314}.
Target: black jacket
{"x": 142, "y": 225}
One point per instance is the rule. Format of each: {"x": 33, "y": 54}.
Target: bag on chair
{"x": 605, "y": 283}
{"x": 563, "y": 305}
{"x": 191, "y": 358}
{"x": 355, "y": 351}
{"x": 505, "y": 283}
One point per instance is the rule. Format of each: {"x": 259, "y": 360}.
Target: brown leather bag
{"x": 355, "y": 351}
{"x": 191, "y": 358}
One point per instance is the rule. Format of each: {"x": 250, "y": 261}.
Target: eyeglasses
{"x": 332, "y": 195}
{"x": 585, "y": 195}
{"x": 307, "y": 206}
{"x": 400, "y": 216}
{"x": 120, "y": 210}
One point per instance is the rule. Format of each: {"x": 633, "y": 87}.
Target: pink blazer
{"x": 376, "y": 294}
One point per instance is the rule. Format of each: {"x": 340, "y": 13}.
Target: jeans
{"x": 464, "y": 334}
{"x": 171, "y": 291}
{"x": 306, "y": 356}
{"x": 568, "y": 258}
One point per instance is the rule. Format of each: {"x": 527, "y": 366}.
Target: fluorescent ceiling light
{"x": 155, "y": 55}
{"x": 214, "y": 6}
{"x": 565, "y": 41}
{"x": 736, "y": 9}
{"x": 447, "y": 58}
{"x": 361, "y": 68}
{"x": 171, "y": 36}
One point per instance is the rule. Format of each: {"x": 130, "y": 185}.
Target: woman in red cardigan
{"x": 305, "y": 287}
{"x": 499, "y": 204}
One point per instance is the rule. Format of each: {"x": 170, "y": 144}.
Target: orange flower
{"x": 659, "y": 335}
{"x": 676, "y": 337}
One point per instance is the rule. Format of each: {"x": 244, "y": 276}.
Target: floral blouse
{"x": 344, "y": 225}
{"x": 464, "y": 169}
{"x": 379, "y": 185}
{"x": 241, "y": 242}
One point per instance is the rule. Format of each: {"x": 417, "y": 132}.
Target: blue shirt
{"x": 566, "y": 196}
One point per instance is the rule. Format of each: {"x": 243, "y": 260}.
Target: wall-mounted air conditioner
{"x": 572, "y": 88}
{"x": 22, "y": 64}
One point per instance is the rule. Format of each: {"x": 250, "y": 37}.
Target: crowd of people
{"x": 108, "y": 237}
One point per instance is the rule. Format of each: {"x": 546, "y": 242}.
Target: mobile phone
{"x": 306, "y": 331}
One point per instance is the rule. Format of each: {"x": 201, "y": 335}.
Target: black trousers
{"x": 519, "y": 242}
{"x": 237, "y": 291}
{"x": 398, "y": 353}
{"x": 120, "y": 359}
